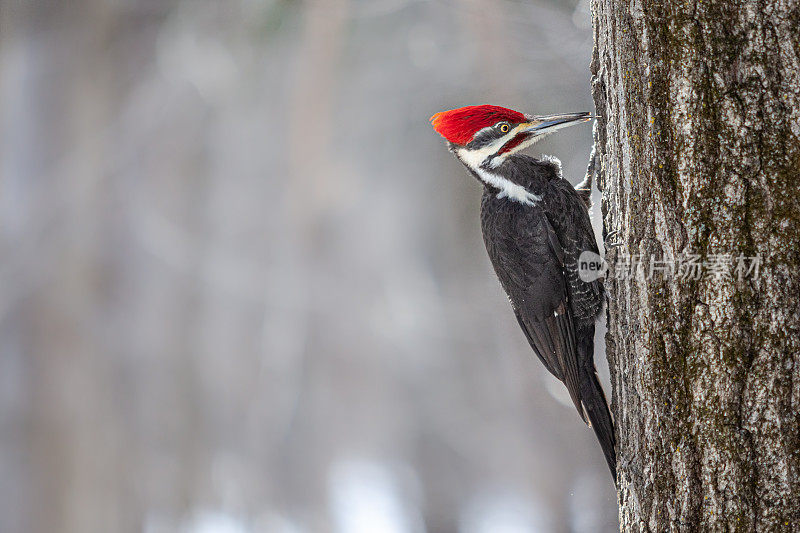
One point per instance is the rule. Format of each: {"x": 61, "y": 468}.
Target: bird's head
{"x": 482, "y": 136}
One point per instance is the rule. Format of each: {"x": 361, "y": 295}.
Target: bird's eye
{"x": 503, "y": 127}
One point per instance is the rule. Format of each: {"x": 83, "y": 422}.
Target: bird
{"x": 536, "y": 227}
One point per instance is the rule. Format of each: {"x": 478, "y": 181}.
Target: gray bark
{"x": 699, "y": 145}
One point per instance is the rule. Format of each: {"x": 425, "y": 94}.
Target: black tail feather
{"x": 594, "y": 401}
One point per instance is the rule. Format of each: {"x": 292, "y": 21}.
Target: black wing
{"x": 528, "y": 260}
{"x": 569, "y": 216}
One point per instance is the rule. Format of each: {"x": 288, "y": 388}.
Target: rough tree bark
{"x": 699, "y": 145}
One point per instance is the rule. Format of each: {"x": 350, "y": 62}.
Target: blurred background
{"x": 243, "y": 287}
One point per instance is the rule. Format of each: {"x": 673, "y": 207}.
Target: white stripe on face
{"x": 475, "y": 159}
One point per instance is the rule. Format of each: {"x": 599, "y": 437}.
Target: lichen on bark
{"x": 699, "y": 149}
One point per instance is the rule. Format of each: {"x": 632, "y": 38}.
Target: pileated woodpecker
{"x": 535, "y": 226}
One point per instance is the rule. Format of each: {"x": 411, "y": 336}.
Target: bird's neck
{"x": 505, "y": 188}
{"x": 519, "y": 178}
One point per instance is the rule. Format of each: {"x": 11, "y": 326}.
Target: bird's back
{"x": 518, "y": 241}
{"x": 537, "y": 247}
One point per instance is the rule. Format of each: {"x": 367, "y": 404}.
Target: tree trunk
{"x": 699, "y": 145}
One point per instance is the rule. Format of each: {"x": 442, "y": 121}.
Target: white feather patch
{"x": 475, "y": 158}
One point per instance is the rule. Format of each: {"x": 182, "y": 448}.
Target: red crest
{"x": 460, "y": 125}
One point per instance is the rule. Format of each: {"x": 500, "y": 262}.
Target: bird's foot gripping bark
{"x": 584, "y": 188}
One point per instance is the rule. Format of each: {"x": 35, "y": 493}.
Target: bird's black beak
{"x": 544, "y": 124}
